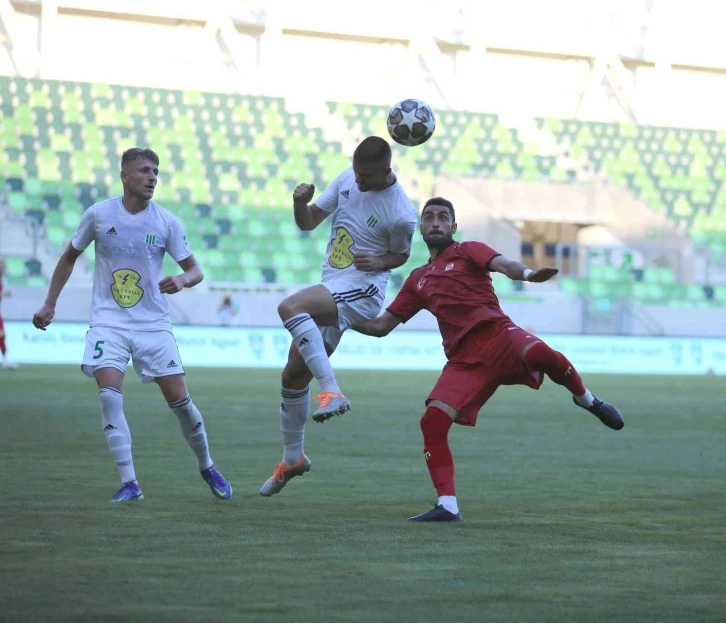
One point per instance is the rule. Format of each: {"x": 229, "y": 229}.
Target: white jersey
{"x": 129, "y": 263}
{"x": 373, "y": 222}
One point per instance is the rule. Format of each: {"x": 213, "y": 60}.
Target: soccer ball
{"x": 411, "y": 122}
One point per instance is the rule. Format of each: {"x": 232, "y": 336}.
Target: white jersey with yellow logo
{"x": 373, "y": 222}
{"x": 129, "y": 263}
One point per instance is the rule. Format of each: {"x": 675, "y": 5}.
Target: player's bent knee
{"x": 173, "y": 387}
{"x": 435, "y": 424}
{"x": 526, "y": 349}
{"x": 109, "y": 377}
{"x": 287, "y": 308}
{"x": 442, "y": 406}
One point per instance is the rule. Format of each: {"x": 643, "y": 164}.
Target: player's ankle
{"x": 292, "y": 456}
{"x": 329, "y": 385}
{"x": 449, "y": 503}
{"x": 586, "y": 400}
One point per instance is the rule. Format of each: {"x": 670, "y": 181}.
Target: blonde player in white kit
{"x": 130, "y": 314}
{"x": 371, "y": 233}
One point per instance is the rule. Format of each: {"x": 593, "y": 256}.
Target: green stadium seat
{"x": 252, "y": 275}
{"x": 244, "y": 154}
{"x": 18, "y": 202}
{"x": 36, "y": 281}
{"x": 57, "y": 236}
{"x": 15, "y": 267}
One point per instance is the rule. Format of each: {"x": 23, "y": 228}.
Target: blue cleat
{"x": 129, "y": 492}
{"x": 217, "y": 483}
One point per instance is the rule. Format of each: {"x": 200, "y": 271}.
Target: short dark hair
{"x": 440, "y": 201}
{"x": 372, "y": 150}
{"x": 138, "y": 153}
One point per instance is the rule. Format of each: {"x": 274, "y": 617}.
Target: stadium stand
{"x": 230, "y": 162}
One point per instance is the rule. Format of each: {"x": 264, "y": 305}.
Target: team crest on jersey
{"x": 125, "y": 289}
{"x": 341, "y": 255}
{"x": 372, "y": 220}
{"x": 150, "y": 239}
{"x": 421, "y": 283}
{"x": 449, "y": 266}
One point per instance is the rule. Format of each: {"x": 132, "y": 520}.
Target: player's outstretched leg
{"x": 192, "y": 428}
{"x": 295, "y": 313}
{"x": 118, "y": 437}
{"x": 435, "y": 425}
{"x": 541, "y": 358}
{"x": 294, "y": 411}
{"x": 309, "y": 341}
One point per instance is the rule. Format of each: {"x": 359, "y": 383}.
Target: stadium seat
{"x": 241, "y": 155}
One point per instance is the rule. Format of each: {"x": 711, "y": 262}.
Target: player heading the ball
{"x": 370, "y": 233}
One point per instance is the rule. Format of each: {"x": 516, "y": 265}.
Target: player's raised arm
{"x": 517, "y": 271}
{"x": 62, "y": 272}
{"x": 378, "y": 327}
{"x": 307, "y": 217}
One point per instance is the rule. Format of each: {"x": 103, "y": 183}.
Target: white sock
{"x": 294, "y": 411}
{"x": 586, "y": 400}
{"x": 309, "y": 342}
{"x": 116, "y": 431}
{"x": 449, "y": 503}
{"x": 192, "y": 427}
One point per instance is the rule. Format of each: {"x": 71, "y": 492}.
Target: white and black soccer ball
{"x": 411, "y": 122}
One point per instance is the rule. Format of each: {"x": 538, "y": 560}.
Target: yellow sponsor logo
{"x": 125, "y": 289}
{"x": 340, "y": 254}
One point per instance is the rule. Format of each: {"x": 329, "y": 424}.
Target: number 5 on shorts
{"x": 98, "y": 349}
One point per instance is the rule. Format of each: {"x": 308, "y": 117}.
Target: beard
{"x": 439, "y": 241}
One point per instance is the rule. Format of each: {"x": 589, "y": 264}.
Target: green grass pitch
{"x": 564, "y": 519}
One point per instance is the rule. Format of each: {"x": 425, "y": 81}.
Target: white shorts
{"x": 357, "y": 300}
{"x": 154, "y": 353}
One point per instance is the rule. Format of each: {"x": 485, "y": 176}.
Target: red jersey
{"x": 456, "y": 288}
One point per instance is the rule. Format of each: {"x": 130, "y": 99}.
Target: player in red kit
{"x": 3, "y": 350}
{"x": 484, "y": 348}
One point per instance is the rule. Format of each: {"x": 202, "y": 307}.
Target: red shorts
{"x": 489, "y": 356}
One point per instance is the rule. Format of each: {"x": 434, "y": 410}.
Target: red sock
{"x": 435, "y": 425}
{"x": 541, "y": 358}
{"x": 3, "y": 350}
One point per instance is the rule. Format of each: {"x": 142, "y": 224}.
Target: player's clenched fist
{"x": 303, "y": 193}
{"x": 44, "y": 316}
{"x": 172, "y": 285}
{"x": 367, "y": 263}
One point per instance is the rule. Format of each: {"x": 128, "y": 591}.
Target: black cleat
{"x": 605, "y": 412}
{"x": 437, "y": 513}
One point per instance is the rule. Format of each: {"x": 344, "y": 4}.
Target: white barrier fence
{"x": 242, "y": 347}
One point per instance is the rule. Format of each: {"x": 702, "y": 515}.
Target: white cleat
{"x": 331, "y": 404}
{"x": 282, "y": 474}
